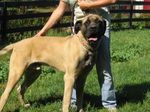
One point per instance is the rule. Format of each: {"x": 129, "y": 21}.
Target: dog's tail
{"x": 7, "y": 49}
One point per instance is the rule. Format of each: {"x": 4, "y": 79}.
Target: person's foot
{"x": 113, "y": 109}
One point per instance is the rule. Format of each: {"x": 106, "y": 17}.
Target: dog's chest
{"x": 86, "y": 63}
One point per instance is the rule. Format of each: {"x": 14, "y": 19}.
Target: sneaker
{"x": 113, "y": 109}
{"x": 73, "y": 105}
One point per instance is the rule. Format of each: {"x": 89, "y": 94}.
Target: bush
{"x": 127, "y": 52}
{"x": 135, "y": 24}
{"x": 47, "y": 71}
{"x": 4, "y": 70}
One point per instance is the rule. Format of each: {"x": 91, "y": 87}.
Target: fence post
{"x": 4, "y": 21}
{"x": 131, "y": 13}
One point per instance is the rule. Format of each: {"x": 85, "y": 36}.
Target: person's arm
{"x": 56, "y": 15}
{"x": 96, "y": 4}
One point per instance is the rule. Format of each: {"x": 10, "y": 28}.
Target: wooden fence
{"x": 130, "y": 11}
{"x": 4, "y": 17}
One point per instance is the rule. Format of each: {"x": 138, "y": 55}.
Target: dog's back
{"x": 10, "y": 47}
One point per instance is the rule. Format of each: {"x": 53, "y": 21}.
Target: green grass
{"x": 131, "y": 80}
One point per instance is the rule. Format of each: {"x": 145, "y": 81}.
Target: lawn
{"x": 130, "y": 53}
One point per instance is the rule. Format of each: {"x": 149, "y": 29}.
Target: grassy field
{"x": 130, "y": 67}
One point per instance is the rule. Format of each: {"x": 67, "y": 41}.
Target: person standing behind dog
{"x": 103, "y": 62}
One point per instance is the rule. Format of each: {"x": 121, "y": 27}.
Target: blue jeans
{"x": 104, "y": 71}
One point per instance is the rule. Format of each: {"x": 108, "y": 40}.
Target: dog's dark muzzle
{"x": 92, "y": 34}
{"x": 93, "y": 28}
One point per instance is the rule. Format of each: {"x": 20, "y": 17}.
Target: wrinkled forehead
{"x": 92, "y": 17}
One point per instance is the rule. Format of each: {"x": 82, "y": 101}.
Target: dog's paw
{"x": 80, "y": 110}
{"x": 26, "y": 105}
{"x": 60, "y": 109}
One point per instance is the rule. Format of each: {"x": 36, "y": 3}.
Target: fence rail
{"x": 4, "y": 17}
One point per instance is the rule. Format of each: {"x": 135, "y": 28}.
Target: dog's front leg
{"x": 69, "y": 80}
{"x": 80, "y": 82}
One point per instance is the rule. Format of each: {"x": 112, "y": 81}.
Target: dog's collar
{"x": 83, "y": 43}
{"x": 86, "y": 46}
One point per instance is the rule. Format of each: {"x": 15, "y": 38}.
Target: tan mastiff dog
{"x": 74, "y": 55}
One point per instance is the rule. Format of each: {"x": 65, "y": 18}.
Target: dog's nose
{"x": 93, "y": 28}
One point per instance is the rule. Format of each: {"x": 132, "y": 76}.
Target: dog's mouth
{"x": 94, "y": 39}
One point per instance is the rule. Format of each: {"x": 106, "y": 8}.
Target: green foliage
{"x": 4, "y": 70}
{"x": 19, "y": 23}
{"x": 126, "y": 52}
{"x": 135, "y": 24}
{"x": 47, "y": 71}
{"x": 116, "y": 25}
{"x": 30, "y": 22}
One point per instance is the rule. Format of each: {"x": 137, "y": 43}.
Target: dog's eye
{"x": 97, "y": 21}
{"x": 87, "y": 22}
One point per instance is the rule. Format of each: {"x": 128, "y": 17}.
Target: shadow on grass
{"x": 14, "y": 111}
{"x": 132, "y": 93}
{"x": 128, "y": 93}
{"x": 46, "y": 100}
{"x": 93, "y": 100}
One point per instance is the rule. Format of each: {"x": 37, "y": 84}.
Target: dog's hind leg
{"x": 31, "y": 74}
{"x": 15, "y": 74}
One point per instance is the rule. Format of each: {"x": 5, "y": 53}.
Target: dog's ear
{"x": 78, "y": 26}
{"x": 104, "y": 27}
